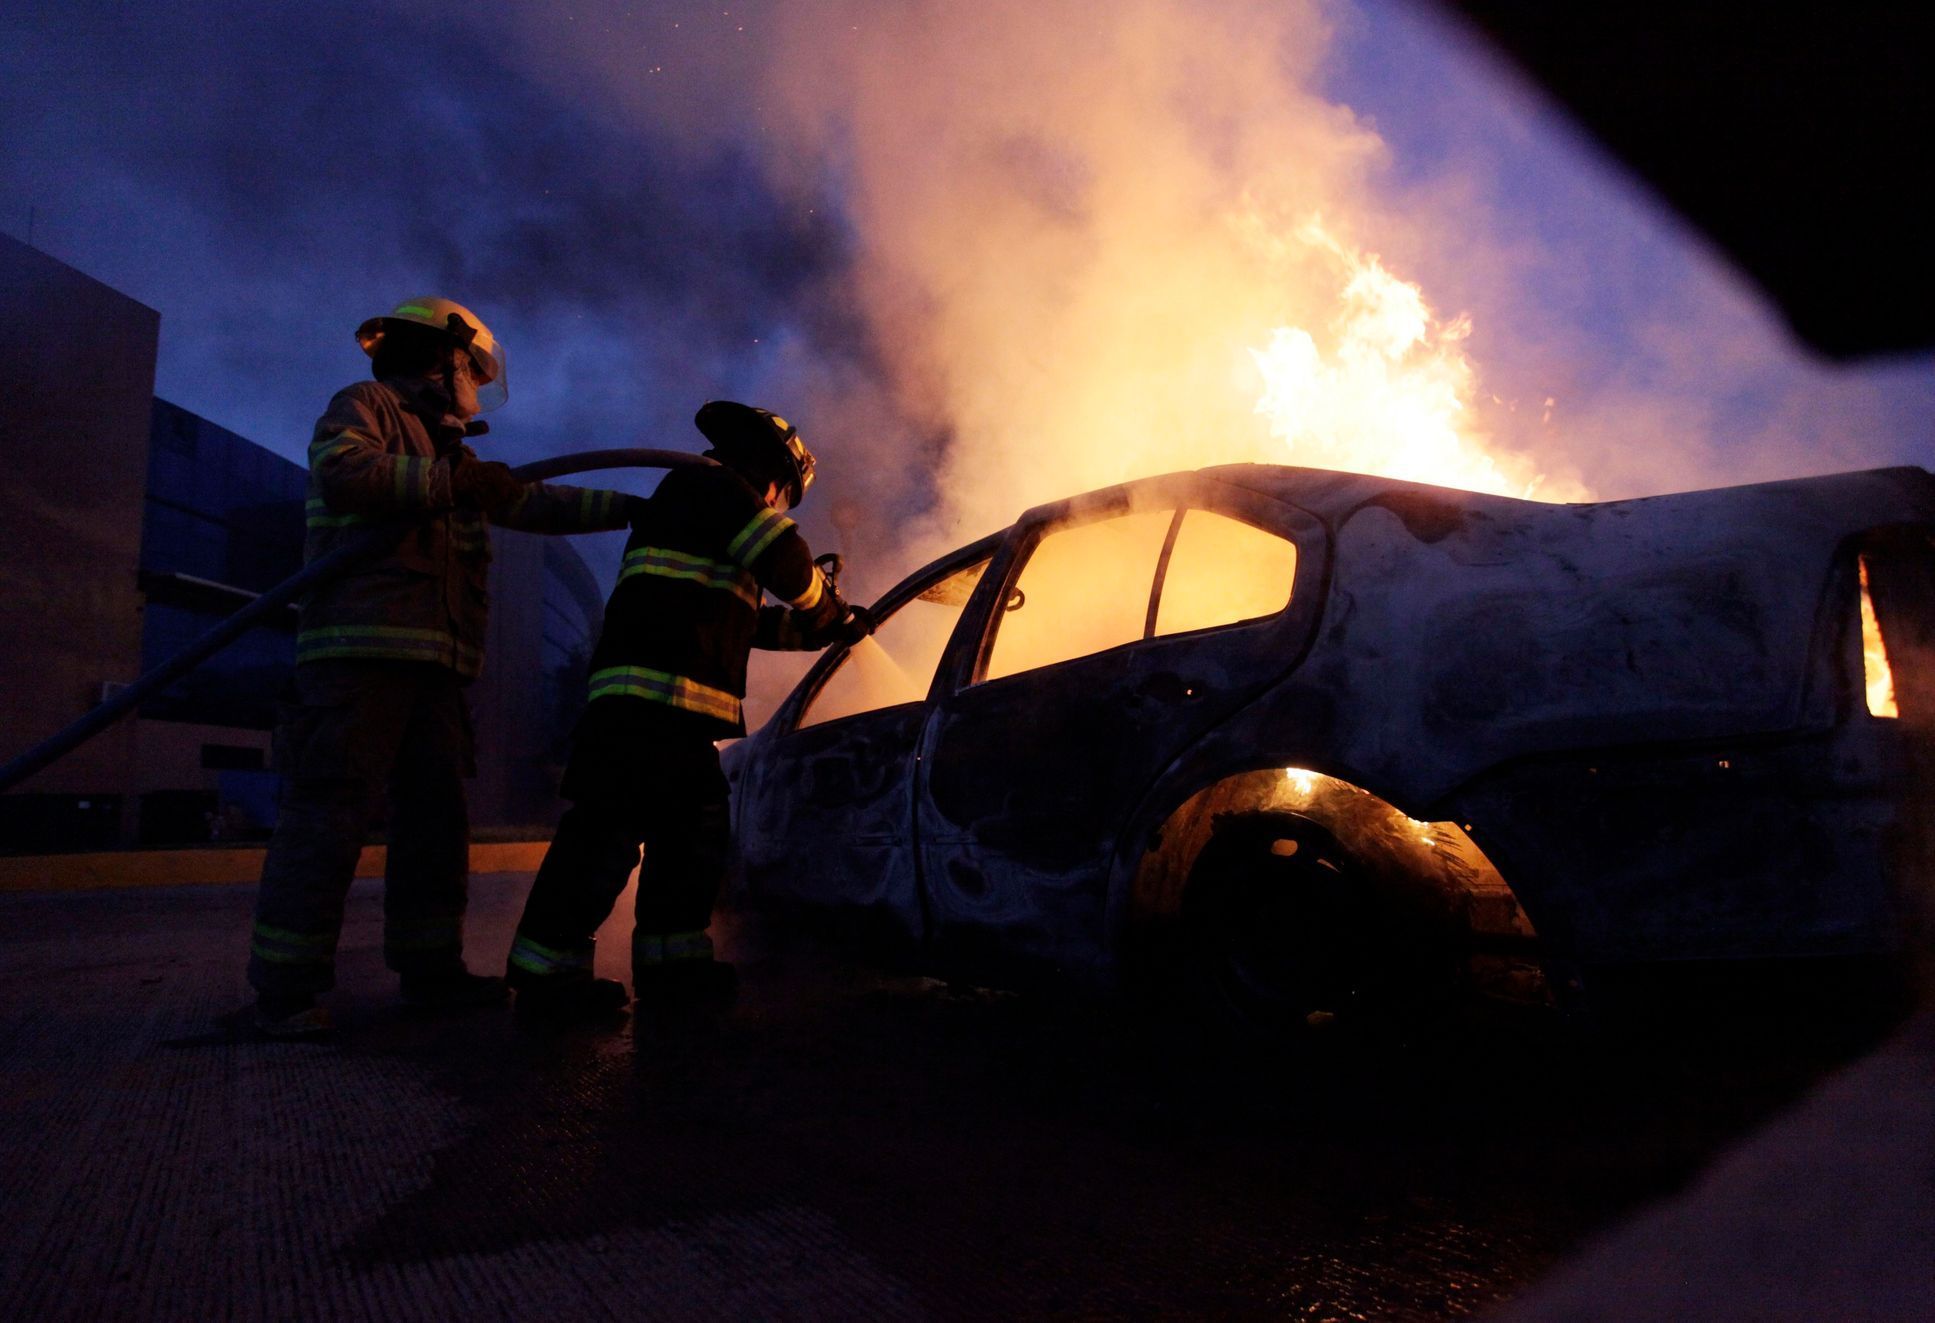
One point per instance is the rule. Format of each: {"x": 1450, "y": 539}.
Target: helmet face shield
{"x": 493, "y": 370}
{"x": 803, "y": 465}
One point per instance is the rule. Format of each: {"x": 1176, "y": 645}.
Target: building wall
{"x": 130, "y": 526}
{"x": 532, "y": 689}
{"x": 77, "y": 360}
{"x": 223, "y": 519}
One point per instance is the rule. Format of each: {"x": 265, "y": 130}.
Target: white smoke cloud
{"x": 1078, "y": 234}
{"x": 1085, "y": 241}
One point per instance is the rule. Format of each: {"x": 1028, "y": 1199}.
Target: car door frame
{"x": 895, "y": 915}
{"x": 1288, "y": 633}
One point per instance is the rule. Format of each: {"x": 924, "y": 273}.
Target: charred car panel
{"x": 1647, "y": 711}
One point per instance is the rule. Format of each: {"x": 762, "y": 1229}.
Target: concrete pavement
{"x": 843, "y": 1144}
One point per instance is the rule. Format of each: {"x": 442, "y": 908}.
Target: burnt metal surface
{"x": 841, "y": 1145}
{"x": 1647, "y": 714}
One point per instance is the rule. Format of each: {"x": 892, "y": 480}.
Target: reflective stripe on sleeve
{"x": 664, "y": 687}
{"x": 412, "y": 476}
{"x": 665, "y": 563}
{"x": 815, "y": 590}
{"x": 347, "y": 439}
{"x": 468, "y": 532}
{"x": 760, "y": 532}
{"x": 316, "y": 515}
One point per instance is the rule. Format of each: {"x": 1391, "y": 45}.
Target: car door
{"x": 1109, "y": 634}
{"x": 825, "y": 816}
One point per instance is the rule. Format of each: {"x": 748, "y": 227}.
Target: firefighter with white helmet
{"x": 383, "y": 654}
{"x": 667, "y": 679}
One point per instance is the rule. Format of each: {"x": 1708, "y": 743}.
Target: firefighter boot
{"x": 291, "y": 1017}
{"x": 570, "y": 998}
{"x": 676, "y": 971}
{"x": 454, "y": 989}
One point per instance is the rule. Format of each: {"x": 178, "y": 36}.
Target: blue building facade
{"x": 132, "y": 526}
{"x": 222, "y": 520}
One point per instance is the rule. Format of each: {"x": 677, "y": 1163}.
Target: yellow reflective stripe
{"x": 665, "y": 563}
{"x": 322, "y": 940}
{"x": 280, "y": 946}
{"x": 347, "y": 439}
{"x": 815, "y": 590}
{"x": 393, "y": 641}
{"x": 411, "y": 475}
{"x": 536, "y": 958}
{"x": 688, "y": 946}
{"x": 275, "y": 957}
{"x": 664, "y": 687}
{"x": 596, "y": 506}
{"x": 468, "y": 532}
{"x": 316, "y": 515}
{"x": 758, "y": 534}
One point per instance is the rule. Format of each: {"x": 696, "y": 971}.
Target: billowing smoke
{"x": 1083, "y": 237}
{"x": 1086, "y": 245}
{"x": 988, "y": 253}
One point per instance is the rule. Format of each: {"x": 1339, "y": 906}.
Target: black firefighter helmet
{"x": 758, "y": 443}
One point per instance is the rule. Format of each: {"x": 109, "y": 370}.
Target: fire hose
{"x": 319, "y": 571}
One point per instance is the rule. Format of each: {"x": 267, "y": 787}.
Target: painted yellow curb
{"x": 175, "y": 868}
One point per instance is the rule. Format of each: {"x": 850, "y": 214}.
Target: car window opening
{"x": 896, "y": 664}
{"x": 1090, "y": 587}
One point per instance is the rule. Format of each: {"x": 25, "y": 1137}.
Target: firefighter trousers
{"x": 350, "y": 730}
{"x": 639, "y": 774}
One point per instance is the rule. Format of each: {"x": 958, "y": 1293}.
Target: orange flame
{"x": 1879, "y": 675}
{"x": 1392, "y": 394}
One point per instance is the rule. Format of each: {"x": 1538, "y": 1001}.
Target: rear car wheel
{"x": 1283, "y": 932}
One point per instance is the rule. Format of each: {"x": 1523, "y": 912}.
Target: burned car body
{"x": 1639, "y": 731}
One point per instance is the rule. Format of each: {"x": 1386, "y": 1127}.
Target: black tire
{"x": 1283, "y": 933}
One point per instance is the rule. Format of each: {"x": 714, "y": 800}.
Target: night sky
{"x": 657, "y": 204}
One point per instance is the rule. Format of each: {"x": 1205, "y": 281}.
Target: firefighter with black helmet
{"x": 667, "y": 679}
{"x": 383, "y": 654}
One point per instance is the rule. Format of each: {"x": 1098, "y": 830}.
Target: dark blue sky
{"x": 267, "y": 176}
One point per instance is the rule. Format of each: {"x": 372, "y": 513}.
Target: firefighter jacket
{"x": 383, "y": 455}
{"x": 686, "y": 611}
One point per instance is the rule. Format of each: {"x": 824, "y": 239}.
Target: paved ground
{"x": 842, "y": 1145}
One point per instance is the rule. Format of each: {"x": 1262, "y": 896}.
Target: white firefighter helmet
{"x": 463, "y": 326}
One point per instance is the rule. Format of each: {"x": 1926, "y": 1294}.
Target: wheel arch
{"x": 1438, "y": 862}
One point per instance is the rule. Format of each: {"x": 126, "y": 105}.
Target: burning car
{"x": 1324, "y": 738}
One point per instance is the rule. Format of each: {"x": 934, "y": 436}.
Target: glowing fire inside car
{"x": 1874, "y": 656}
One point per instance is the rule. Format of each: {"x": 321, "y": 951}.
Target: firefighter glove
{"x": 482, "y": 484}
{"x": 857, "y": 624}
